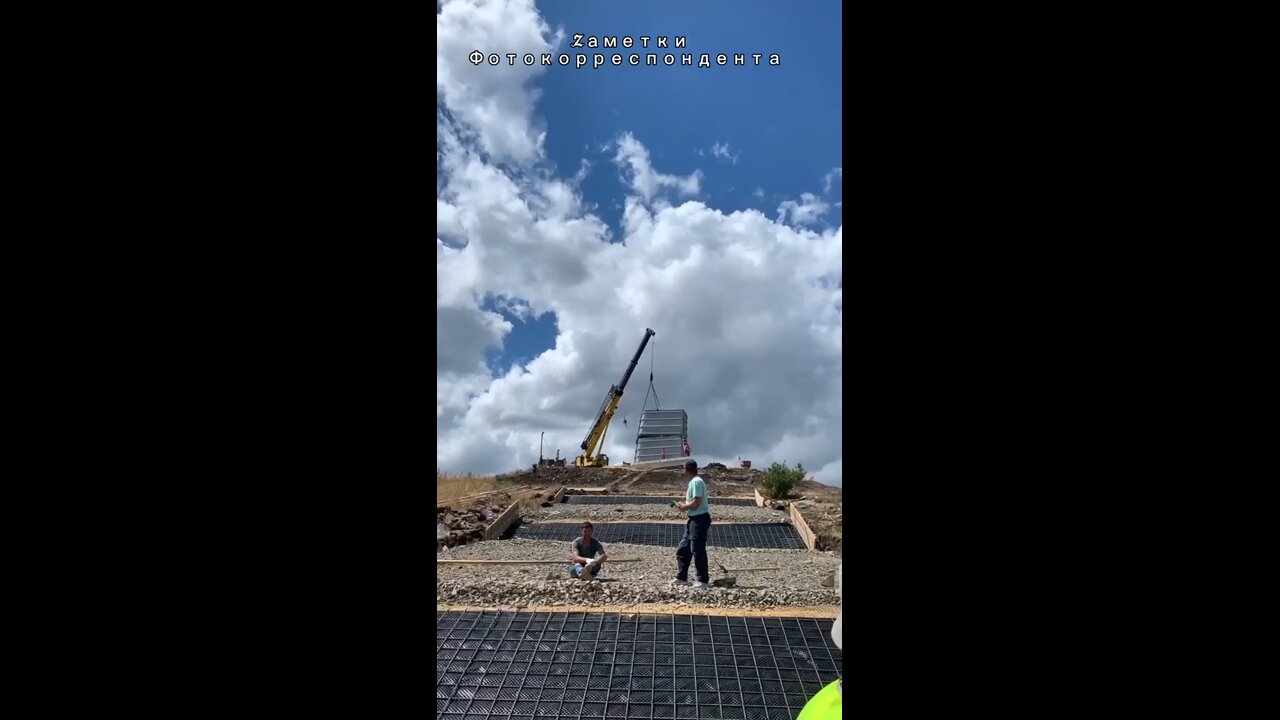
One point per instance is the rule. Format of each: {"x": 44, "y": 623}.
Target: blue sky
{"x": 782, "y": 123}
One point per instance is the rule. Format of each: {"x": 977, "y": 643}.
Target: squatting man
{"x": 587, "y": 554}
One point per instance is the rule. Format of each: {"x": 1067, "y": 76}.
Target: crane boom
{"x": 595, "y": 435}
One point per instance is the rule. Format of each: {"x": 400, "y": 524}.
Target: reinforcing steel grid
{"x": 776, "y": 536}
{"x": 581, "y": 666}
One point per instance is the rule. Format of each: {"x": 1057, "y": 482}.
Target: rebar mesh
{"x": 581, "y": 666}
{"x": 649, "y": 500}
{"x": 778, "y": 536}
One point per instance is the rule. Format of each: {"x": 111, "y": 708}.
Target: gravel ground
{"x": 797, "y": 583}
{"x": 618, "y": 513}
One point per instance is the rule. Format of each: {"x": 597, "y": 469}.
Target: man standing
{"x": 687, "y": 450}
{"x": 694, "y": 544}
{"x": 587, "y": 554}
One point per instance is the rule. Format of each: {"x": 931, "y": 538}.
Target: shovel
{"x": 727, "y": 581}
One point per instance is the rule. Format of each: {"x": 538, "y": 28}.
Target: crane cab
{"x": 600, "y": 460}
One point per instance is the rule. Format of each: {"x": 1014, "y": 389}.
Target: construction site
{"x": 518, "y": 636}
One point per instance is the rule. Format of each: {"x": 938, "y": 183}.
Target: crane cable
{"x": 652, "y": 390}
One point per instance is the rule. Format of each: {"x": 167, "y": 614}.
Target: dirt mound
{"x": 458, "y": 527}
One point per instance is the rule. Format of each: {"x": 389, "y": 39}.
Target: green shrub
{"x": 780, "y": 479}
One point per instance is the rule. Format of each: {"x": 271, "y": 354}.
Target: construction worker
{"x": 694, "y": 544}
{"x": 587, "y": 554}
{"x": 664, "y": 453}
{"x": 687, "y": 450}
{"x": 826, "y": 704}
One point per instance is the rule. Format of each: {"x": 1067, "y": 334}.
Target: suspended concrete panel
{"x": 661, "y": 430}
{"x": 664, "y": 422}
{"x": 673, "y": 446}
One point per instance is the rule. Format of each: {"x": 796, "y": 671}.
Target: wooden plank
{"x": 664, "y": 499}
{"x": 759, "y": 498}
{"x": 559, "y": 494}
{"x": 603, "y": 523}
{"x": 632, "y": 609}
{"x": 802, "y": 527}
{"x": 491, "y": 492}
{"x": 502, "y": 522}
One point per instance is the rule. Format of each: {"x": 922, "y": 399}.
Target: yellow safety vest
{"x": 823, "y": 706}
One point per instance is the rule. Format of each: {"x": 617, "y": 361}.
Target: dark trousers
{"x": 694, "y": 547}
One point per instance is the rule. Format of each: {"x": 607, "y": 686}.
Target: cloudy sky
{"x": 578, "y": 206}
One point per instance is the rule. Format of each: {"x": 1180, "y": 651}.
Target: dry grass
{"x": 451, "y": 487}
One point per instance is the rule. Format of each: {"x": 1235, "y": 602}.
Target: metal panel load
{"x": 664, "y": 423}
{"x": 661, "y": 430}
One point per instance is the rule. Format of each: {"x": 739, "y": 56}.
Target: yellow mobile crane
{"x": 595, "y": 436}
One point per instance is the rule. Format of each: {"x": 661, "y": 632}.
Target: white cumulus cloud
{"x": 805, "y": 212}
{"x": 721, "y": 151}
{"x": 829, "y": 178}
{"x": 495, "y": 103}
{"x": 747, "y": 310}
{"x": 638, "y": 171}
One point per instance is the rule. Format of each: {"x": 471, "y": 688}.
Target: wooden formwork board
{"x": 815, "y": 611}
{"x": 685, "y": 521}
{"x": 759, "y": 498}
{"x": 502, "y": 522}
{"x": 559, "y": 495}
{"x": 802, "y": 527}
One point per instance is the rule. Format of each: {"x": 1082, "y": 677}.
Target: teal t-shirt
{"x": 697, "y": 488}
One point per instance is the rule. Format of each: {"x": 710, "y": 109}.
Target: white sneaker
{"x": 701, "y": 586}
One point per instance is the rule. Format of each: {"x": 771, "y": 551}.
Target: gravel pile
{"x": 618, "y": 513}
{"x": 799, "y": 582}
